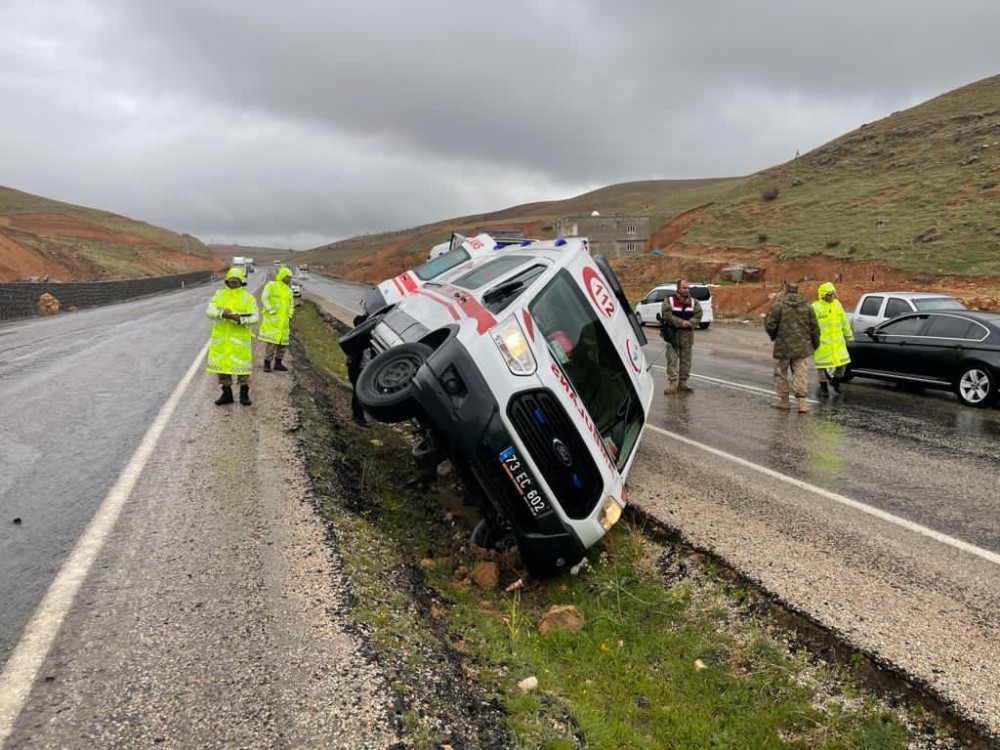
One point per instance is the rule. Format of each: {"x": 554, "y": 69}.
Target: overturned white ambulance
{"x": 525, "y": 366}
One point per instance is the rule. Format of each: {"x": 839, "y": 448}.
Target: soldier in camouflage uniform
{"x": 680, "y": 314}
{"x": 794, "y": 329}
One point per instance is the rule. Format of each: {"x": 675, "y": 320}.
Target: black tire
{"x": 485, "y": 536}
{"x": 356, "y": 340}
{"x": 384, "y": 386}
{"x": 848, "y": 375}
{"x": 703, "y": 326}
{"x": 976, "y": 386}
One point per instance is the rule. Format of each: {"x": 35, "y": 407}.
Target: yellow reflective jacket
{"x": 278, "y": 308}
{"x": 834, "y": 330}
{"x": 230, "y": 350}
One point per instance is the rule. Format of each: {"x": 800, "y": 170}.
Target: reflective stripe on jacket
{"x": 278, "y": 306}
{"x": 834, "y": 331}
{"x": 230, "y": 350}
{"x": 674, "y": 310}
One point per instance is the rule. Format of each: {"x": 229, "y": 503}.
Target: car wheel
{"x": 487, "y": 537}
{"x": 848, "y": 375}
{"x": 976, "y": 386}
{"x": 383, "y": 388}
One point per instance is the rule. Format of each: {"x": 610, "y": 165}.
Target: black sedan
{"x": 957, "y": 350}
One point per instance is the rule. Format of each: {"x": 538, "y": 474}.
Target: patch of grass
{"x": 654, "y": 666}
{"x": 672, "y": 654}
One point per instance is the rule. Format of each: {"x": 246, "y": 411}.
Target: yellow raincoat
{"x": 279, "y": 306}
{"x": 834, "y": 330}
{"x": 230, "y": 350}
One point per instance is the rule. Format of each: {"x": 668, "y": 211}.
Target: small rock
{"x": 17, "y": 521}
{"x": 528, "y": 684}
{"x": 485, "y": 574}
{"x": 561, "y": 617}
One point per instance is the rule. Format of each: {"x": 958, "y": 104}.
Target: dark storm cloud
{"x": 306, "y": 121}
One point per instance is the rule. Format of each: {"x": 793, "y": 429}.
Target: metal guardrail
{"x": 20, "y": 299}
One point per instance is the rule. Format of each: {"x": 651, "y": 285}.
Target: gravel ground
{"x": 216, "y": 617}
{"x": 924, "y": 612}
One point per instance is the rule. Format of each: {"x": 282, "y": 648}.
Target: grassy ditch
{"x": 671, "y": 653}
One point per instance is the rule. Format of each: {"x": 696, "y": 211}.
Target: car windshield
{"x": 657, "y": 295}
{"x": 489, "y": 272}
{"x": 434, "y": 268}
{"x": 591, "y": 363}
{"x": 500, "y": 296}
{"x": 938, "y": 303}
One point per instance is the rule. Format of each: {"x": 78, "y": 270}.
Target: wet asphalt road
{"x": 77, "y": 393}
{"x": 923, "y": 457}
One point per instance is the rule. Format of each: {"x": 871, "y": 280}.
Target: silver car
{"x": 877, "y": 307}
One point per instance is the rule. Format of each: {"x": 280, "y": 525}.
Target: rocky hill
{"x": 43, "y": 239}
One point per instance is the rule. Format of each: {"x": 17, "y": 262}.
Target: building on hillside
{"x": 613, "y": 235}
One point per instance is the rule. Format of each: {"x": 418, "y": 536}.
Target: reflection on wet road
{"x": 77, "y": 393}
{"x": 922, "y": 457}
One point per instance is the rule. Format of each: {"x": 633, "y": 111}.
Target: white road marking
{"x": 916, "y": 528}
{"x": 22, "y": 667}
{"x": 732, "y": 384}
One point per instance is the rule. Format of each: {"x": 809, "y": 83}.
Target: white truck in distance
{"x": 243, "y": 262}
{"x": 524, "y": 367}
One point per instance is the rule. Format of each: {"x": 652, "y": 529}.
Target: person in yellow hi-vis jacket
{"x": 278, "y": 308}
{"x": 835, "y": 332}
{"x": 230, "y": 350}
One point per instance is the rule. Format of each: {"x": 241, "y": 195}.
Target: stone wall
{"x": 615, "y": 236}
{"x": 20, "y": 300}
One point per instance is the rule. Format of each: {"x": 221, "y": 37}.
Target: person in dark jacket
{"x": 680, "y": 314}
{"x": 355, "y": 363}
{"x": 792, "y": 325}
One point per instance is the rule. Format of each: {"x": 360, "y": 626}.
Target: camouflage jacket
{"x": 792, "y": 326}
{"x": 674, "y": 311}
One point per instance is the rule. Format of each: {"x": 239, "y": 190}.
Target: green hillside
{"x": 919, "y": 190}
{"x": 41, "y": 237}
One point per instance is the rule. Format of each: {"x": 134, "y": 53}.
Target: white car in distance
{"x": 648, "y": 308}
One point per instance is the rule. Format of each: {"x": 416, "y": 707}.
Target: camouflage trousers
{"x": 273, "y": 351}
{"x": 799, "y": 380}
{"x": 227, "y": 379}
{"x": 679, "y": 360}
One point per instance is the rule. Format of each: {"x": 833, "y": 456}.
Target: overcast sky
{"x": 294, "y": 123}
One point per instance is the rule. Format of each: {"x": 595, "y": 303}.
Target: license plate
{"x": 521, "y": 478}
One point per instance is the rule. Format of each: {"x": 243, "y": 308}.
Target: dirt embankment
{"x": 753, "y": 298}
{"x": 61, "y": 248}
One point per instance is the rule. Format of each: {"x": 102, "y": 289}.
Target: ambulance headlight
{"x": 513, "y": 345}
{"x": 611, "y": 511}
